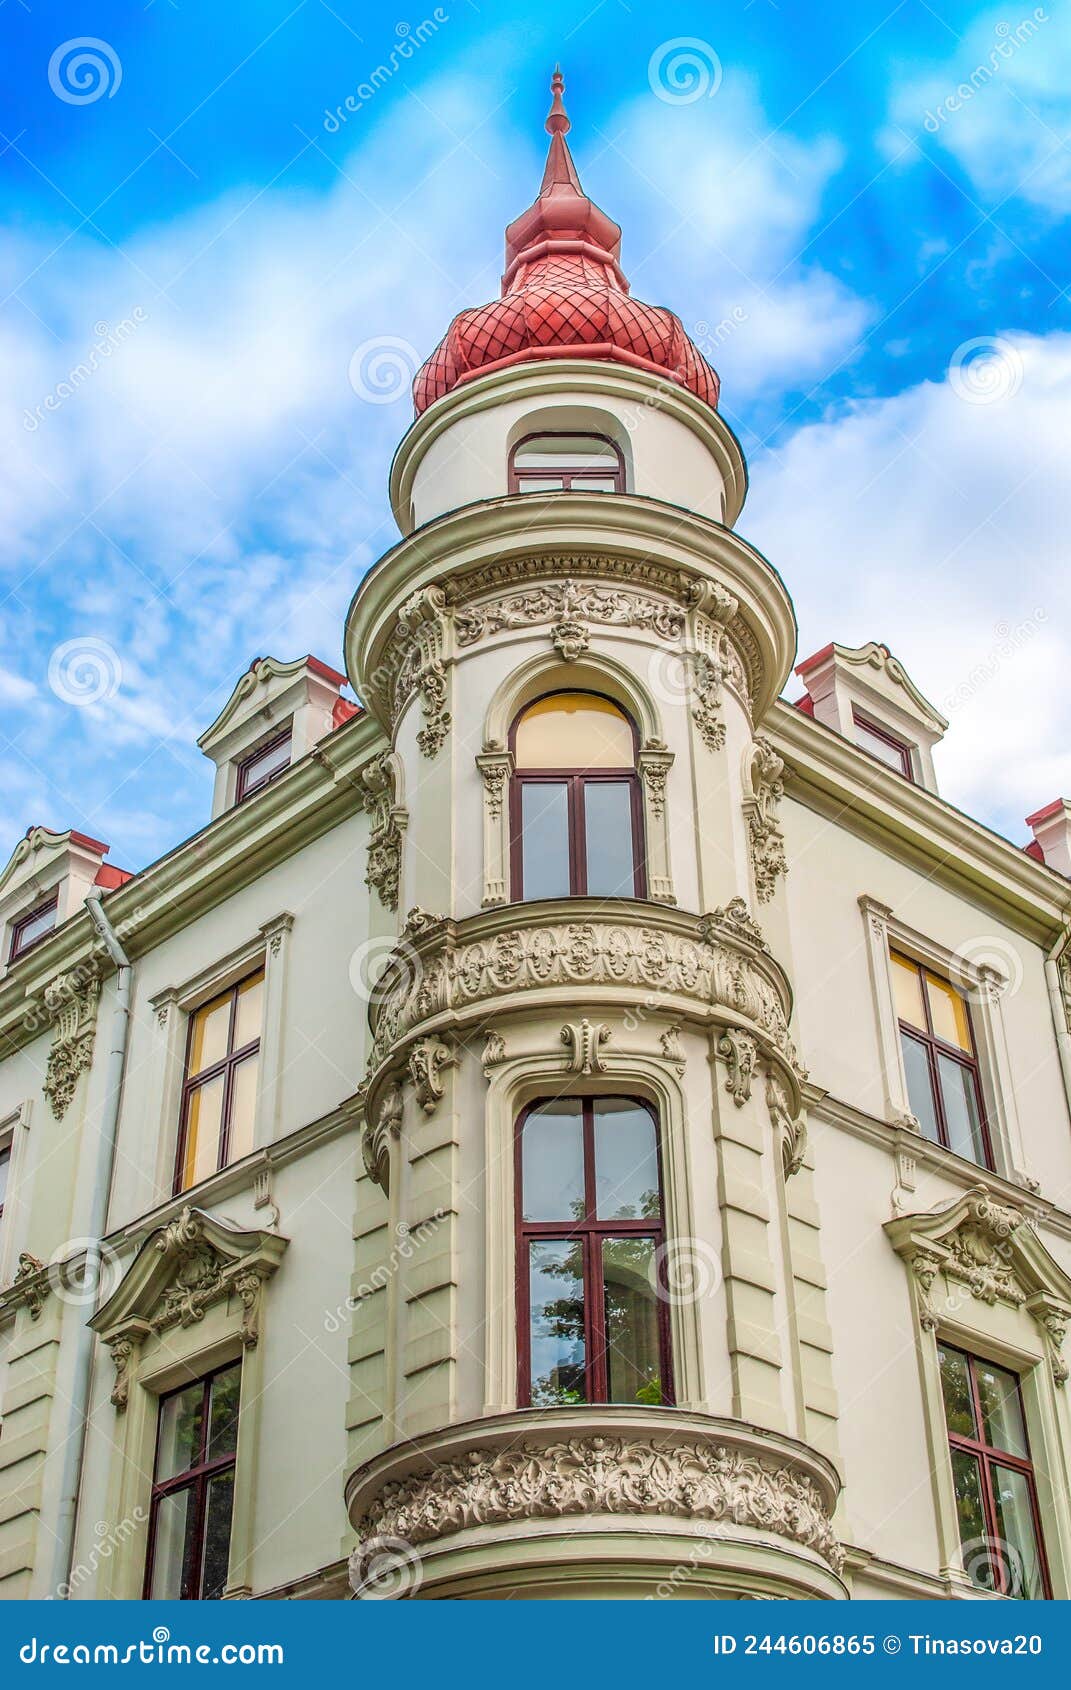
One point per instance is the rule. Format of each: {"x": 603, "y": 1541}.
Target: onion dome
{"x": 564, "y": 295}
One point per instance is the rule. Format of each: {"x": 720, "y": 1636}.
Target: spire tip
{"x": 557, "y": 120}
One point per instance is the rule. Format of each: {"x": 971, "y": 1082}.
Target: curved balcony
{"x": 601, "y": 1502}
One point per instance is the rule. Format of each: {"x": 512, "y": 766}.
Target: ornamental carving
{"x": 422, "y": 629}
{"x": 448, "y": 974}
{"x": 655, "y": 762}
{"x": 585, "y": 1046}
{"x": 71, "y": 1002}
{"x": 427, "y": 1060}
{"x": 379, "y": 1134}
{"x": 700, "y": 1480}
{"x": 495, "y": 764}
{"x": 29, "y": 1288}
{"x": 197, "y": 1276}
{"x": 388, "y": 819}
{"x": 739, "y": 1052}
{"x": 791, "y": 1130}
{"x": 765, "y": 788}
{"x": 979, "y": 1256}
{"x": 671, "y": 1047}
{"x": 569, "y": 605}
{"x": 122, "y": 1351}
{"x": 735, "y": 918}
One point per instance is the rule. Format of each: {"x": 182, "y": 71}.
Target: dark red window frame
{"x": 934, "y": 1046}
{"x": 248, "y": 788}
{"x": 226, "y": 1065}
{"x": 16, "y": 949}
{"x": 590, "y": 1232}
{"x": 195, "y": 1478}
{"x": 986, "y": 1455}
{"x": 575, "y": 780}
{"x": 5, "y": 1159}
{"x": 569, "y": 477}
{"x": 900, "y": 746}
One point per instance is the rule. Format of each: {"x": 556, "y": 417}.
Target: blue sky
{"x": 875, "y": 265}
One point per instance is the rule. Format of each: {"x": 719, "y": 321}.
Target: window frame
{"x": 934, "y": 1047}
{"x": 591, "y": 1232}
{"x": 248, "y": 789}
{"x": 7, "y": 1155}
{"x": 226, "y": 1065}
{"x": 901, "y": 746}
{"x": 575, "y": 780}
{"x": 195, "y": 1478}
{"x": 567, "y": 476}
{"x": 15, "y": 951}
{"x": 988, "y": 1455}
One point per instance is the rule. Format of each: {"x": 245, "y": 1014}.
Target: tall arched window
{"x": 593, "y": 1319}
{"x": 566, "y": 463}
{"x": 576, "y": 817}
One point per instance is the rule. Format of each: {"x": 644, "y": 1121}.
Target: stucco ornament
{"x": 739, "y": 1052}
{"x": 71, "y": 1002}
{"x": 764, "y": 789}
{"x": 388, "y": 819}
{"x": 990, "y": 1248}
{"x": 791, "y": 1130}
{"x": 671, "y": 1047}
{"x": 571, "y": 605}
{"x": 585, "y": 1043}
{"x": 604, "y": 1475}
{"x": 655, "y": 762}
{"x": 495, "y": 764}
{"x": 29, "y": 1288}
{"x": 423, "y": 632}
{"x": 427, "y": 1061}
{"x": 736, "y": 919}
{"x": 379, "y": 1134}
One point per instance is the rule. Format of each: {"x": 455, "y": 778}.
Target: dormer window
{"x": 264, "y": 765}
{"x": 31, "y": 928}
{"x": 878, "y": 742}
{"x": 566, "y": 463}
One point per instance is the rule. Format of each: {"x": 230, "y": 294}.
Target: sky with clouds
{"x": 860, "y": 212}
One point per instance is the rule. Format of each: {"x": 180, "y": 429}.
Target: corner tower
{"x": 602, "y": 1352}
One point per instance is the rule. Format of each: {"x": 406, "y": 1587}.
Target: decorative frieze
{"x": 70, "y": 1002}
{"x": 764, "y": 789}
{"x": 569, "y": 604}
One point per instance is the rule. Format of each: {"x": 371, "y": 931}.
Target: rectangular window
{"x": 996, "y": 1502}
{"x": 266, "y": 764}
{"x": 940, "y": 1062}
{"x": 219, "y": 1092}
{"x": 5, "y": 1176}
{"x": 878, "y": 742}
{"x": 193, "y": 1489}
{"x": 30, "y": 929}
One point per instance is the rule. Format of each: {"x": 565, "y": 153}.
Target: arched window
{"x": 576, "y": 818}
{"x": 563, "y": 463}
{"x": 593, "y": 1317}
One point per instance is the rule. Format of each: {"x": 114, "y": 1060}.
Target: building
{"x": 578, "y": 1125}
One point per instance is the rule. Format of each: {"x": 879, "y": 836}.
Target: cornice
{"x": 567, "y": 375}
{"x": 314, "y": 795}
{"x": 828, "y": 774}
{"x": 626, "y": 526}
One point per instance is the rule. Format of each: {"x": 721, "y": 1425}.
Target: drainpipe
{"x": 75, "y": 1442}
{"x": 1059, "y": 1012}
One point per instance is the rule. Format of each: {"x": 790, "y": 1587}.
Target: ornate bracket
{"x": 584, "y": 1042}
{"x": 791, "y": 1130}
{"x": 389, "y": 820}
{"x": 427, "y": 1060}
{"x": 763, "y": 791}
{"x": 71, "y": 1002}
{"x": 379, "y": 1134}
{"x": 739, "y": 1052}
{"x": 29, "y": 1288}
{"x": 423, "y": 624}
{"x": 495, "y": 764}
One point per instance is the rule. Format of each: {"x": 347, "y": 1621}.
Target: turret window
{"x": 566, "y": 463}
{"x": 576, "y": 818}
{"x": 592, "y": 1310}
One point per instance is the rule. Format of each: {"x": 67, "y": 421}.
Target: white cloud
{"x": 937, "y": 525}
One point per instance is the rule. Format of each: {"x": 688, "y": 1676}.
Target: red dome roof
{"x": 563, "y": 296}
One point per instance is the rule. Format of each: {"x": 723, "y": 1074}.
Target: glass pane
{"x": 961, "y": 1110}
{"x": 217, "y": 1549}
{"x": 1018, "y": 1538}
{"x": 264, "y": 764}
{"x": 34, "y": 927}
{"x": 626, "y": 1161}
{"x": 552, "y": 1162}
{"x": 907, "y": 992}
{"x": 223, "y": 1413}
{"x": 608, "y": 837}
{"x": 540, "y": 484}
{"x": 574, "y": 730}
{"x": 978, "y": 1558}
{"x": 545, "y": 839}
{"x": 556, "y": 1293}
{"x": 893, "y": 756}
{"x": 5, "y": 1169}
{"x": 579, "y": 451}
{"x": 593, "y": 484}
{"x": 949, "y": 1013}
{"x": 633, "y": 1364}
{"x": 204, "y": 1114}
{"x": 956, "y": 1386}
{"x": 173, "y": 1544}
{"x": 250, "y": 1011}
{"x": 179, "y": 1445}
{"x": 243, "y": 1104}
{"x": 1002, "y": 1412}
{"x": 920, "y": 1086}
{"x": 208, "y": 1041}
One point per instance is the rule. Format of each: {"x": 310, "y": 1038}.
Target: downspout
{"x": 75, "y": 1442}
{"x": 1057, "y": 1003}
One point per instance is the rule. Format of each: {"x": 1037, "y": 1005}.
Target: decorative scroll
{"x": 764, "y": 789}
